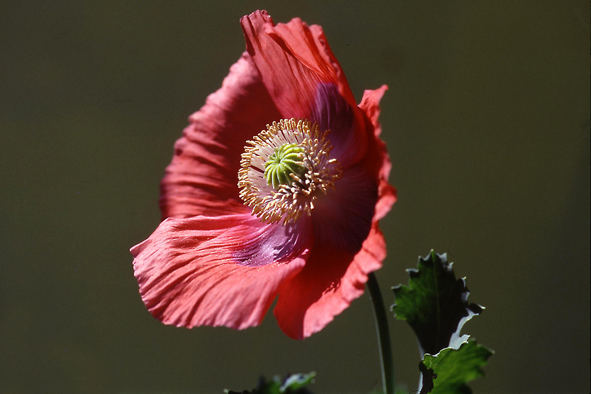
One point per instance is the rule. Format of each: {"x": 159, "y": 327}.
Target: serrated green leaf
{"x": 291, "y": 384}
{"x": 448, "y": 371}
{"x": 434, "y": 303}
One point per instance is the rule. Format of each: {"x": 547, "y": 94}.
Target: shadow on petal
{"x": 327, "y": 285}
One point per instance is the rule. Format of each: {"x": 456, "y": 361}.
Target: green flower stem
{"x": 385, "y": 349}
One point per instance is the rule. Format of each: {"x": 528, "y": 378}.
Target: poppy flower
{"x": 274, "y": 191}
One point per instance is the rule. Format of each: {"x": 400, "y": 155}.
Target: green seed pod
{"x": 285, "y": 161}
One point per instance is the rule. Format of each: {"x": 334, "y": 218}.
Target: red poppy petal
{"x": 202, "y": 177}
{"x": 347, "y": 239}
{"x": 387, "y": 198}
{"x": 370, "y": 104}
{"x": 293, "y": 59}
{"x": 326, "y": 286}
{"x": 342, "y": 219}
{"x": 222, "y": 271}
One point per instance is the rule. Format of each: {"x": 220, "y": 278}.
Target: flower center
{"x": 285, "y": 161}
{"x": 285, "y": 169}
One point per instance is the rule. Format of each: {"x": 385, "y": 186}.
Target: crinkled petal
{"x": 327, "y": 285}
{"x": 222, "y": 271}
{"x": 202, "y": 177}
{"x": 293, "y": 59}
{"x": 306, "y": 81}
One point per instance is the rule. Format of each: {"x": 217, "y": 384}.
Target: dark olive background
{"x": 487, "y": 123}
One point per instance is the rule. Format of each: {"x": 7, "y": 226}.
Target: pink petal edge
{"x": 190, "y": 274}
{"x": 370, "y": 105}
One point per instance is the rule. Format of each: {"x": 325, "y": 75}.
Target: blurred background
{"x": 487, "y": 123}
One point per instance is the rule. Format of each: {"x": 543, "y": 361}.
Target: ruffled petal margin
{"x": 202, "y": 177}
{"x": 370, "y": 105}
{"x": 327, "y": 285}
{"x": 222, "y": 271}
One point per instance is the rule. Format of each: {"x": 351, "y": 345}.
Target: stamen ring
{"x": 285, "y": 169}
